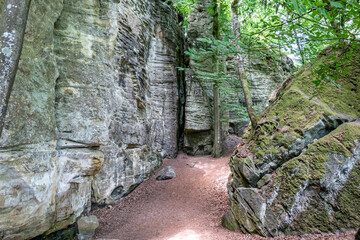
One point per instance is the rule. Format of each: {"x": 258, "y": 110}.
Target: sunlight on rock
{"x": 186, "y": 235}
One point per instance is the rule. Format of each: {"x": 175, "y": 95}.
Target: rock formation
{"x": 264, "y": 75}
{"x": 298, "y": 172}
{"x": 96, "y": 105}
{"x": 93, "y": 111}
{"x": 198, "y": 108}
{"x": 166, "y": 173}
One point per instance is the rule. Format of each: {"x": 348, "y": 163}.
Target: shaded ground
{"x": 188, "y": 207}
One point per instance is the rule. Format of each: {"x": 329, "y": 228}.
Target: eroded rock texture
{"x": 298, "y": 172}
{"x": 93, "y": 112}
{"x": 198, "y": 108}
{"x": 264, "y": 75}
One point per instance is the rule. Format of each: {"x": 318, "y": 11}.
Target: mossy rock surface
{"x": 307, "y": 144}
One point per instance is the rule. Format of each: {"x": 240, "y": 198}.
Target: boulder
{"x": 298, "y": 171}
{"x": 166, "y": 173}
{"x": 87, "y": 226}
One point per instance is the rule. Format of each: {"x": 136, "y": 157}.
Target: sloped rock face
{"x": 264, "y": 75}
{"x": 93, "y": 111}
{"x": 298, "y": 172}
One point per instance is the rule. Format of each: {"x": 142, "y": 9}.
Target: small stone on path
{"x": 87, "y": 226}
{"x": 191, "y": 165}
{"x": 166, "y": 173}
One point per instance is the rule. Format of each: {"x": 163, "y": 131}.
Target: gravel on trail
{"x": 188, "y": 207}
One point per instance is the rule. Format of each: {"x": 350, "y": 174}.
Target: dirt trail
{"x": 188, "y": 207}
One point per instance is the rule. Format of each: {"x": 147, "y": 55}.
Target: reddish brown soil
{"x": 188, "y": 207}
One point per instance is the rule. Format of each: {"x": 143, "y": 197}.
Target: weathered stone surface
{"x": 198, "y": 125}
{"x": 27, "y": 190}
{"x": 264, "y": 75}
{"x": 143, "y": 126}
{"x": 229, "y": 222}
{"x": 87, "y": 226}
{"x": 306, "y": 152}
{"x": 166, "y": 173}
{"x": 93, "y": 112}
{"x": 28, "y": 156}
{"x": 264, "y": 180}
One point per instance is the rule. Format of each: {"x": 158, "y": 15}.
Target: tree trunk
{"x": 240, "y": 67}
{"x": 13, "y": 19}
{"x": 217, "y": 148}
{"x": 217, "y": 144}
{"x": 299, "y": 47}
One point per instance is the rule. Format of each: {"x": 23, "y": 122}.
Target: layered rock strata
{"x": 198, "y": 107}
{"x": 93, "y": 111}
{"x": 264, "y": 75}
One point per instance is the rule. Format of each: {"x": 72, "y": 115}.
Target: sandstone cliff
{"x": 93, "y": 112}
{"x": 264, "y": 75}
{"x": 97, "y": 104}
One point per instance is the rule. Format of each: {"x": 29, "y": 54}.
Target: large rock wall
{"x": 198, "y": 107}
{"x": 28, "y": 158}
{"x": 93, "y": 111}
{"x": 264, "y": 75}
{"x": 298, "y": 172}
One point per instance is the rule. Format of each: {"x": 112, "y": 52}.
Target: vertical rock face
{"x": 97, "y": 104}
{"x": 85, "y": 35}
{"x": 143, "y": 127}
{"x": 198, "y": 108}
{"x": 93, "y": 111}
{"x": 28, "y": 156}
{"x": 264, "y": 75}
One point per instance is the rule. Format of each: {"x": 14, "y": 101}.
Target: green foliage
{"x": 303, "y": 28}
{"x": 184, "y": 7}
{"x": 317, "y": 24}
{"x": 270, "y": 28}
{"x": 225, "y": 79}
{"x": 300, "y": 27}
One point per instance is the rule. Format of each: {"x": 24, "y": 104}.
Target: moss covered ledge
{"x": 303, "y": 160}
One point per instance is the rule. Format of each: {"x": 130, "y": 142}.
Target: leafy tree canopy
{"x": 299, "y": 27}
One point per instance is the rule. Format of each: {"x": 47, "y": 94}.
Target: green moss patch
{"x": 348, "y": 215}
{"x": 290, "y": 177}
{"x": 285, "y": 137}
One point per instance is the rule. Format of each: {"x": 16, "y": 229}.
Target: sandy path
{"x": 188, "y": 207}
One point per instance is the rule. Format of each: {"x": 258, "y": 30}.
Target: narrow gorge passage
{"x": 188, "y": 207}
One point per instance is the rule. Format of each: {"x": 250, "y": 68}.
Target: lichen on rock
{"x": 263, "y": 77}
{"x": 93, "y": 111}
{"x": 302, "y": 160}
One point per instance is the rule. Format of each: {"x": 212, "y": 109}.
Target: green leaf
{"x": 336, "y": 4}
{"x": 323, "y": 12}
{"x": 204, "y": 40}
{"x": 296, "y": 6}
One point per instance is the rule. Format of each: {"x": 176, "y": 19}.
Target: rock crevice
{"x": 93, "y": 111}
